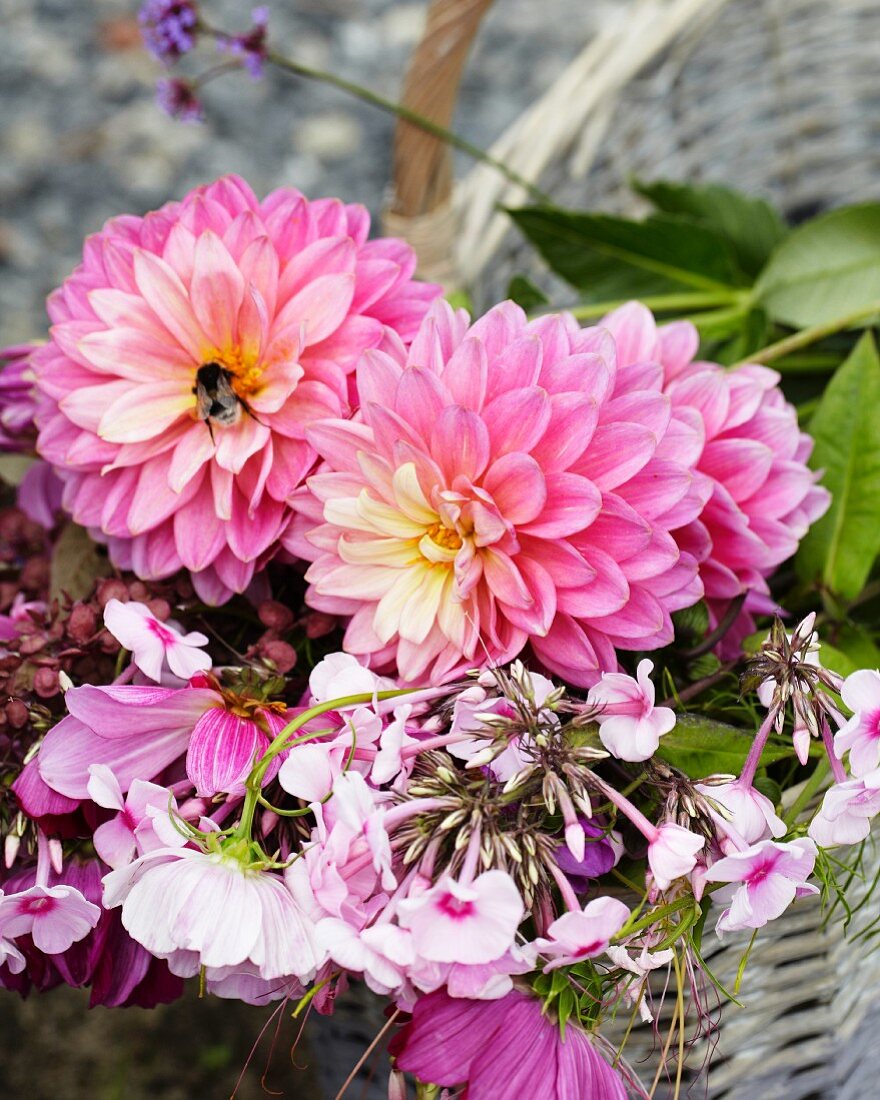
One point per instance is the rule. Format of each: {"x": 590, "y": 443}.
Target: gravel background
{"x": 82, "y": 139}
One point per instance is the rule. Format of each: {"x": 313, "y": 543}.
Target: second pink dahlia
{"x": 494, "y": 491}
{"x": 764, "y": 496}
{"x": 190, "y": 350}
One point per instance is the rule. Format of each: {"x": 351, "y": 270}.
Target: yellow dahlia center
{"x": 443, "y": 536}
{"x": 245, "y": 370}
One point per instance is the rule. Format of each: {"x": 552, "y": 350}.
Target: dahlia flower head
{"x": 190, "y": 349}
{"x": 504, "y": 482}
{"x": 764, "y": 496}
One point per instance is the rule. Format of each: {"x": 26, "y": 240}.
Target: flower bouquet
{"x": 327, "y": 611}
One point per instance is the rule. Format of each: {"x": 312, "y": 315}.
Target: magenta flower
{"x": 190, "y": 350}
{"x": 860, "y": 737}
{"x": 764, "y": 497}
{"x": 225, "y": 745}
{"x": 506, "y": 1047}
{"x": 492, "y": 492}
{"x": 251, "y": 46}
{"x": 847, "y": 811}
{"x": 574, "y": 937}
{"x": 630, "y": 726}
{"x": 473, "y": 922}
{"x": 765, "y": 879}
{"x": 179, "y": 99}
{"x": 18, "y": 404}
{"x": 155, "y": 645}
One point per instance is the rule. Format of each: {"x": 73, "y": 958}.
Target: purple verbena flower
{"x": 250, "y": 47}
{"x": 178, "y": 99}
{"x": 169, "y": 28}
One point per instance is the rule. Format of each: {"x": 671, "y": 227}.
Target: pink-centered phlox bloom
{"x": 506, "y": 1047}
{"x": 209, "y": 909}
{"x": 476, "y": 981}
{"x": 847, "y": 811}
{"x": 764, "y": 880}
{"x": 630, "y": 726}
{"x": 673, "y": 853}
{"x": 764, "y": 496}
{"x": 155, "y": 645}
{"x": 740, "y": 809}
{"x": 143, "y": 822}
{"x": 493, "y": 491}
{"x": 53, "y": 916}
{"x": 574, "y": 937}
{"x": 860, "y": 737}
{"x": 472, "y": 922}
{"x": 189, "y": 351}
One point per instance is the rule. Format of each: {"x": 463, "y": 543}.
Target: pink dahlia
{"x": 494, "y": 490}
{"x": 190, "y": 350}
{"x": 764, "y": 496}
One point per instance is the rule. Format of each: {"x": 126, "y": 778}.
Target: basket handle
{"x": 423, "y": 175}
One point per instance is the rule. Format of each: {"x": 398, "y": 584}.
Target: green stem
{"x": 399, "y": 110}
{"x": 254, "y": 784}
{"x": 812, "y": 785}
{"x": 660, "y": 303}
{"x": 811, "y": 335}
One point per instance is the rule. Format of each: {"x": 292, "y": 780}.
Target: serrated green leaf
{"x": 701, "y": 747}
{"x": 841, "y": 547}
{"x": 825, "y": 269}
{"x": 524, "y": 292}
{"x": 752, "y": 225}
{"x": 609, "y": 258}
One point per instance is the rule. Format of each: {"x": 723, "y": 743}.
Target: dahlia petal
{"x": 167, "y": 297}
{"x": 320, "y": 307}
{"x": 518, "y": 487}
{"x": 572, "y": 504}
{"x": 517, "y": 420}
{"x": 145, "y": 411}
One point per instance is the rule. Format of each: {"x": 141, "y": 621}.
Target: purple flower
{"x": 169, "y": 28}
{"x": 250, "y": 47}
{"x": 178, "y": 99}
{"x": 17, "y": 399}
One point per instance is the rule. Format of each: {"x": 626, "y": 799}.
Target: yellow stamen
{"x": 444, "y": 536}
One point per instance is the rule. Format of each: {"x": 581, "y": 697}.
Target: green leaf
{"x": 825, "y": 269}
{"x": 609, "y": 258}
{"x": 853, "y": 649}
{"x": 77, "y": 562}
{"x": 14, "y": 467}
{"x": 524, "y": 292}
{"x": 701, "y": 747}
{"x": 841, "y": 547}
{"x": 751, "y": 225}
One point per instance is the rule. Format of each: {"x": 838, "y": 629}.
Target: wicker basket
{"x": 775, "y": 97}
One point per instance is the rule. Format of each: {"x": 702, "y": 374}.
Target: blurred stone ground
{"x": 82, "y": 140}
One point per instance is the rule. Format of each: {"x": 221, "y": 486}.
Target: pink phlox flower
{"x": 20, "y": 613}
{"x": 143, "y": 823}
{"x": 390, "y": 764}
{"x": 630, "y": 726}
{"x": 505, "y": 1047}
{"x": 339, "y": 675}
{"x": 10, "y": 956}
{"x": 154, "y": 644}
{"x": 640, "y": 966}
{"x": 381, "y": 953}
{"x": 576, "y": 936}
{"x": 673, "y": 853}
{"x": 860, "y": 737}
{"x": 473, "y": 922}
{"x": 767, "y": 688}
{"x": 475, "y": 981}
{"x": 764, "y": 880}
{"x": 354, "y": 809}
{"x": 742, "y": 811}
{"x": 209, "y": 909}
{"x": 309, "y": 771}
{"x": 847, "y": 811}
{"x": 245, "y": 983}
{"x": 53, "y": 916}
